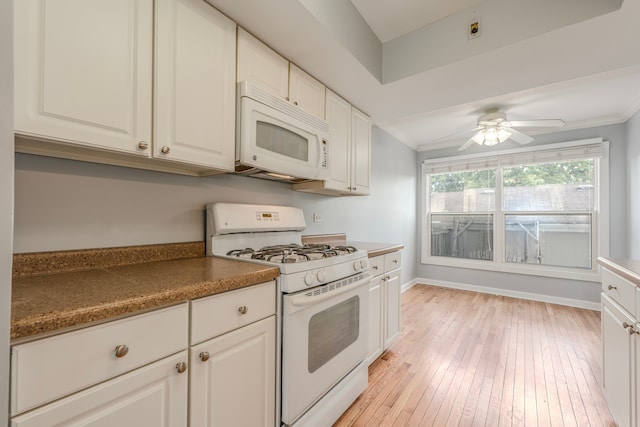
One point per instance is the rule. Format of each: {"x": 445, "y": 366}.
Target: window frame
{"x": 592, "y": 148}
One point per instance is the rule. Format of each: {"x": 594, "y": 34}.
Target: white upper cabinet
{"x": 349, "y": 151}
{"x": 306, "y": 92}
{"x": 263, "y": 66}
{"x": 195, "y": 84}
{"x": 83, "y": 72}
{"x": 86, "y": 83}
{"x": 361, "y": 152}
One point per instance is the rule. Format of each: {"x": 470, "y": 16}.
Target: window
{"x": 535, "y": 211}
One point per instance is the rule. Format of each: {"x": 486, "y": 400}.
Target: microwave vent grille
{"x": 267, "y": 98}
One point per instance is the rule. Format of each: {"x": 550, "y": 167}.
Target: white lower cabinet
{"x": 131, "y": 371}
{"x": 384, "y": 303}
{"x": 140, "y": 371}
{"x": 151, "y": 396}
{"x": 233, "y": 378}
{"x": 233, "y": 372}
{"x": 621, "y": 348}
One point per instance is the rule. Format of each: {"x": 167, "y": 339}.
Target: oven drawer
{"x": 49, "y": 368}
{"x": 217, "y": 314}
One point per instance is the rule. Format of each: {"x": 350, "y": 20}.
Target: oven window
{"x": 333, "y": 330}
{"x": 282, "y": 141}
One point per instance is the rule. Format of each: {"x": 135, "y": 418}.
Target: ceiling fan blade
{"x": 547, "y": 123}
{"x": 519, "y": 137}
{"x": 466, "y": 145}
{"x": 456, "y": 135}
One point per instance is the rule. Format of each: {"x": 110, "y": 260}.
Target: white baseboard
{"x": 589, "y": 305}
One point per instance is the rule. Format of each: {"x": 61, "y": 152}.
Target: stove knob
{"x": 309, "y": 278}
{"x": 321, "y": 276}
{"x": 360, "y": 265}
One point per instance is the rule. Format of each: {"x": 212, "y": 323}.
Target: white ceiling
{"x": 410, "y": 65}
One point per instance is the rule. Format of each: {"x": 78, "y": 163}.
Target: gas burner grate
{"x": 291, "y": 253}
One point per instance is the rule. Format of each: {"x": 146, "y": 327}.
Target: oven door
{"x": 325, "y": 333}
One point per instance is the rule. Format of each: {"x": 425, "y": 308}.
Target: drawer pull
{"x": 243, "y": 309}
{"x": 121, "y": 350}
{"x": 204, "y": 356}
{"x": 395, "y": 261}
{"x": 610, "y": 287}
{"x": 181, "y": 367}
{"x": 375, "y": 267}
{"x": 627, "y": 325}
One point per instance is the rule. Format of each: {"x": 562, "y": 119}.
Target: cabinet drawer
{"x": 620, "y": 290}
{"x": 392, "y": 261}
{"x": 50, "y": 368}
{"x": 376, "y": 265}
{"x": 218, "y": 314}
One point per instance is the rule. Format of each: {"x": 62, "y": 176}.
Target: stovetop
{"x": 234, "y": 230}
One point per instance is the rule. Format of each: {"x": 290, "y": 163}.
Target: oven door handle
{"x": 303, "y": 299}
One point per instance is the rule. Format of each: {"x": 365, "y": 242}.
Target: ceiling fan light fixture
{"x": 491, "y": 135}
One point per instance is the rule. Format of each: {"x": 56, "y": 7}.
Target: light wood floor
{"x": 470, "y": 359}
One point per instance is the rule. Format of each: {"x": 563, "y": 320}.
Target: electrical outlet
{"x": 317, "y": 218}
{"x": 473, "y": 28}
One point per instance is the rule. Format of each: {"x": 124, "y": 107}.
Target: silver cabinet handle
{"x": 121, "y": 350}
{"x": 243, "y": 309}
{"x": 143, "y": 145}
{"x": 204, "y": 356}
{"x": 610, "y": 287}
{"x": 165, "y": 150}
{"x": 181, "y": 367}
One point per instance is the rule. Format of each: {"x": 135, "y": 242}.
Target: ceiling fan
{"x": 494, "y": 128}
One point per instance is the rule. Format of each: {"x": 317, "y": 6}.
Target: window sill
{"x": 513, "y": 268}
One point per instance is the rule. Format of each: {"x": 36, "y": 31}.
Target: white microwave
{"x": 277, "y": 140}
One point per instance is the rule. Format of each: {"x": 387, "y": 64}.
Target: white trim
{"x": 409, "y": 285}
{"x": 491, "y": 155}
{"x": 571, "y": 302}
{"x": 585, "y": 275}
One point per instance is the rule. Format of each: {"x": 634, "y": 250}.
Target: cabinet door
{"x": 361, "y": 152}
{"x": 392, "y": 301}
{"x": 152, "y": 396}
{"x": 306, "y": 92}
{"x": 233, "y": 378}
{"x": 617, "y": 370}
{"x": 261, "y": 65}
{"x": 83, "y": 72}
{"x": 339, "y": 119}
{"x": 195, "y": 84}
{"x": 375, "y": 319}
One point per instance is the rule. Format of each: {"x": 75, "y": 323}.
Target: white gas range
{"x": 323, "y": 306}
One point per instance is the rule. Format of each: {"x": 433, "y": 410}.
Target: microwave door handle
{"x": 303, "y": 300}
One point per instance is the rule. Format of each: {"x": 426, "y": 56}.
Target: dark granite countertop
{"x": 52, "y": 301}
